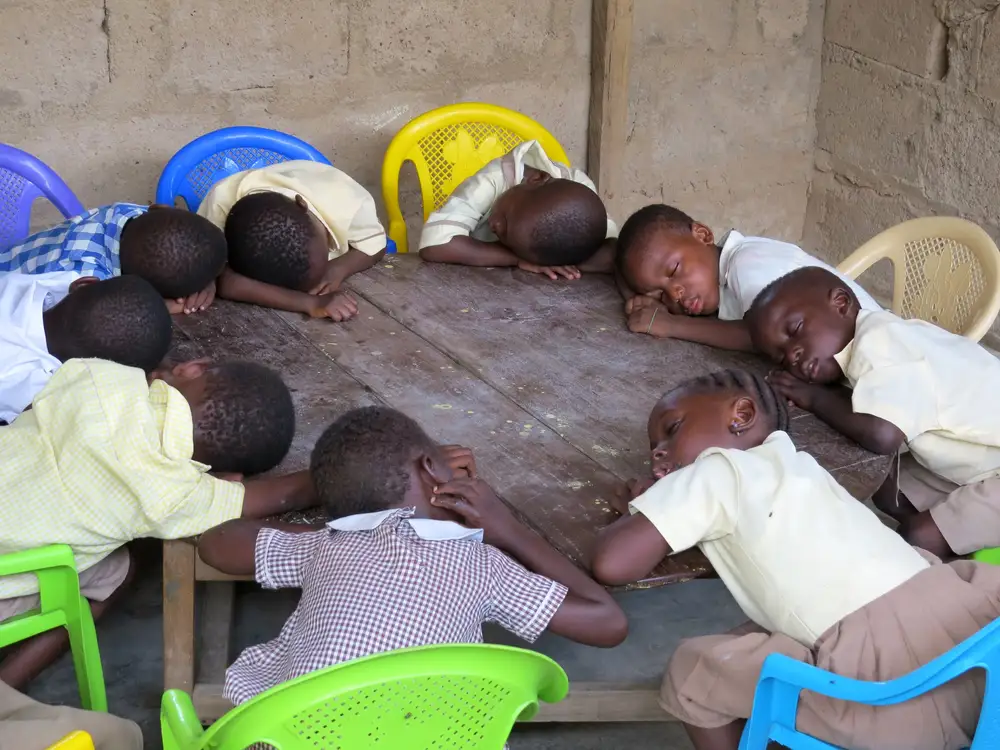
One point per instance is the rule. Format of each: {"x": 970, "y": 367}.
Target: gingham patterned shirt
{"x": 380, "y": 587}
{"x": 86, "y": 244}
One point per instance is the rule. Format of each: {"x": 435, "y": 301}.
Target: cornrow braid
{"x": 760, "y": 390}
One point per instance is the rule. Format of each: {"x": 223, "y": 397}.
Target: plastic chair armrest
{"x": 33, "y": 560}
{"x": 178, "y": 714}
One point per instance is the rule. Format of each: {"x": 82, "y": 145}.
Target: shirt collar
{"x": 730, "y": 241}
{"x": 530, "y": 154}
{"x": 429, "y": 529}
{"x": 843, "y": 357}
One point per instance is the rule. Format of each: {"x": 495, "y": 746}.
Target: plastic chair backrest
{"x": 945, "y": 271}
{"x": 24, "y": 179}
{"x": 74, "y": 741}
{"x": 454, "y": 695}
{"x": 61, "y": 606}
{"x": 776, "y": 700}
{"x": 193, "y": 170}
{"x": 449, "y": 144}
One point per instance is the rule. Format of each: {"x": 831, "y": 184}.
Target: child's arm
{"x": 656, "y": 320}
{"x": 603, "y": 261}
{"x": 464, "y": 250}
{"x": 336, "y": 306}
{"x": 340, "y": 269}
{"x": 230, "y": 547}
{"x": 833, "y": 405}
{"x": 588, "y": 614}
{"x": 269, "y": 496}
{"x": 628, "y": 550}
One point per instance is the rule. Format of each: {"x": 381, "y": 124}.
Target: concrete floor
{"x": 132, "y": 652}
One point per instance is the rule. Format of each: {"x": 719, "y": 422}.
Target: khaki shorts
{"x": 97, "y": 583}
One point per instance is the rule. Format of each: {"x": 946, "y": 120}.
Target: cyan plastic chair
{"x": 776, "y": 701}
{"x": 446, "y": 696}
{"x": 449, "y": 144}
{"x": 24, "y": 179}
{"x": 61, "y": 606}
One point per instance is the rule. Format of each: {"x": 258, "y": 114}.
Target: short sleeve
{"x": 520, "y": 601}
{"x": 366, "y": 232}
{"x": 465, "y": 209}
{"x": 218, "y": 203}
{"x": 280, "y": 557}
{"x": 207, "y": 503}
{"x": 698, "y": 503}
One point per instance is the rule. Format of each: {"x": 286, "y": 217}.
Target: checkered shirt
{"x": 87, "y": 244}
{"x": 364, "y": 592}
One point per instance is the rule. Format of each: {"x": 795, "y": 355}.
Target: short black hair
{"x": 177, "y": 251}
{"x": 268, "y": 236}
{"x": 122, "y": 319}
{"x": 360, "y": 463}
{"x": 640, "y": 225}
{"x": 774, "y": 407}
{"x": 246, "y": 422}
{"x": 573, "y": 230}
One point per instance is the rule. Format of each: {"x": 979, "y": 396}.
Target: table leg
{"x": 178, "y": 615}
{"x": 215, "y": 627}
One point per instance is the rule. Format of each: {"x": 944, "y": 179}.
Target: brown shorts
{"x": 97, "y": 583}
{"x": 968, "y": 516}
{"x": 710, "y": 681}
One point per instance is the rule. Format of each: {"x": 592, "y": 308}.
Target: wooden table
{"x": 539, "y": 378}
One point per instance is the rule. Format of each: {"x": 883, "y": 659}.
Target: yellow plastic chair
{"x": 452, "y": 143}
{"x": 74, "y": 741}
{"x": 945, "y": 271}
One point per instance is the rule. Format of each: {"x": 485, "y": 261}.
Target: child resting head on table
{"x": 296, "y": 231}
{"x": 701, "y": 290}
{"x": 420, "y": 551}
{"x": 105, "y": 456}
{"x": 49, "y": 318}
{"x": 523, "y": 210}
{"x": 910, "y": 383}
{"x": 176, "y": 251}
{"x": 819, "y": 575}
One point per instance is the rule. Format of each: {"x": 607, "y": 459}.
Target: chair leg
{"x": 87, "y": 660}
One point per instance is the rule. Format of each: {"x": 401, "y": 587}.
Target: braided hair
{"x": 755, "y": 385}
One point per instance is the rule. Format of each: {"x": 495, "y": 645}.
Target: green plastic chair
{"x": 62, "y": 606}
{"x": 430, "y": 697}
{"x": 990, "y": 555}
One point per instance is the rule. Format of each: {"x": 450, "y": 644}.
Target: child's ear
{"x": 434, "y": 469}
{"x": 191, "y": 369}
{"x": 744, "y": 416}
{"x": 301, "y": 202}
{"x": 82, "y": 282}
{"x": 702, "y": 233}
{"x": 840, "y": 300}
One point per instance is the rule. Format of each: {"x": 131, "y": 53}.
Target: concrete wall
{"x": 908, "y": 120}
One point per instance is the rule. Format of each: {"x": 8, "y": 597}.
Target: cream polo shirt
{"x": 345, "y": 208}
{"x": 748, "y": 264}
{"x": 939, "y": 389}
{"x": 101, "y": 459}
{"x": 795, "y": 550}
{"x": 468, "y": 209}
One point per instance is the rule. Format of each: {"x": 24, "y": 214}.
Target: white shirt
{"x": 748, "y": 264}
{"x": 25, "y": 362}
{"x": 795, "y": 550}
{"x": 938, "y": 388}
{"x": 429, "y": 529}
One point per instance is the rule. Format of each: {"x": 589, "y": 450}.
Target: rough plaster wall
{"x": 721, "y": 116}
{"x": 908, "y": 121}
{"x": 106, "y": 90}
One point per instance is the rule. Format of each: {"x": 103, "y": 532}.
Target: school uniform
{"x": 748, "y": 264}
{"x": 825, "y": 582}
{"x": 345, "y": 208}
{"x": 940, "y": 390}
{"x": 467, "y": 210}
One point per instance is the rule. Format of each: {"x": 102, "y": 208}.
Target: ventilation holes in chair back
{"x": 11, "y": 191}
{"x": 221, "y": 165}
{"x": 943, "y": 283}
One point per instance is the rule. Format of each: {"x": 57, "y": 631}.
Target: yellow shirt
{"x": 468, "y": 209}
{"x": 795, "y": 550}
{"x": 939, "y": 389}
{"x": 101, "y": 459}
{"x": 345, "y": 208}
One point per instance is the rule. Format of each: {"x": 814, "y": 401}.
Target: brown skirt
{"x": 710, "y": 681}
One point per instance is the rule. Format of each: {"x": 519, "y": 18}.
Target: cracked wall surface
{"x": 908, "y": 122}
{"x": 720, "y": 120}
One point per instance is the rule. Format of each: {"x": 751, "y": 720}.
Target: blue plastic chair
{"x": 23, "y": 179}
{"x": 776, "y": 700}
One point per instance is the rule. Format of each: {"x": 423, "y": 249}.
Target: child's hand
{"x": 460, "y": 460}
{"x": 653, "y": 319}
{"x": 338, "y": 307}
{"x": 194, "y": 303}
{"x": 796, "y": 391}
{"x": 478, "y": 506}
{"x": 629, "y": 492}
{"x": 553, "y": 272}
{"x": 331, "y": 281}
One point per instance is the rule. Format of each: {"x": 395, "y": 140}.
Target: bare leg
{"x": 921, "y": 531}
{"x": 718, "y": 738}
{"x": 891, "y": 501}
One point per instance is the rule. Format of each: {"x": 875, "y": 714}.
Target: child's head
{"x": 550, "y": 221}
{"x": 376, "y": 458}
{"x": 177, "y": 251}
{"x": 726, "y": 409}
{"x": 802, "y": 320}
{"x": 243, "y": 415}
{"x": 276, "y": 239}
{"x": 661, "y": 248}
{"x": 122, "y": 319}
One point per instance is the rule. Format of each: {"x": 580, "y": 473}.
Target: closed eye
{"x": 674, "y": 426}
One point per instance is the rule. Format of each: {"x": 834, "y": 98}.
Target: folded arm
{"x": 271, "y": 496}
{"x": 231, "y": 547}
{"x": 239, "y": 288}
{"x": 463, "y": 250}
{"x": 628, "y": 550}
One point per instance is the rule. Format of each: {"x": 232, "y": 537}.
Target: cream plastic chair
{"x": 945, "y": 271}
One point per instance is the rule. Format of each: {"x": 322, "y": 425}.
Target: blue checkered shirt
{"x": 87, "y": 244}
